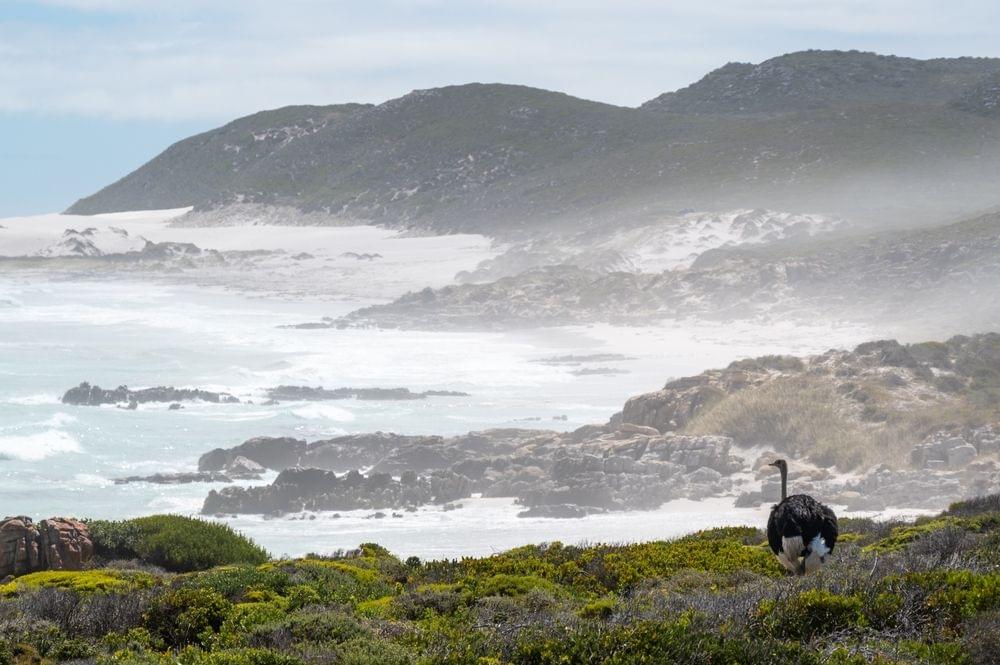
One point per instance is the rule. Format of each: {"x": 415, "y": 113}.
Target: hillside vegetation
{"x": 924, "y": 592}
{"x": 817, "y": 131}
{"x": 845, "y": 408}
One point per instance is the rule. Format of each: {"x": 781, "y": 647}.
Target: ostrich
{"x": 800, "y": 527}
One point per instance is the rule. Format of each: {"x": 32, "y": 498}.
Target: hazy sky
{"x": 89, "y": 89}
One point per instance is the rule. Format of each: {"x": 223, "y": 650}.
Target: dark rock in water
{"x": 307, "y": 393}
{"x": 88, "y": 395}
{"x": 176, "y": 406}
{"x": 563, "y": 511}
{"x": 177, "y": 478}
{"x": 53, "y": 544}
{"x": 274, "y": 453}
{"x": 306, "y": 489}
{"x": 598, "y": 371}
{"x": 579, "y": 360}
{"x": 244, "y": 469}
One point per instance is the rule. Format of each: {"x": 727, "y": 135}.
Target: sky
{"x": 91, "y": 89}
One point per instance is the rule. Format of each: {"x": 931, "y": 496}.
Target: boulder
{"x": 19, "y": 547}
{"x": 244, "y": 469}
{"x": 645, "y": 430}
{"x": 563, "y": 511}
{"x": 65, "y": 543}
{"x": 54, "y": 544}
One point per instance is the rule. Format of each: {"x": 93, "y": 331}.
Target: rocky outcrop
{"x": 956, "y": 448}
{"x": 299, "y": 489}
{"x": 595, "y": 468}
{"x": 53, "y": 544}
{"x": 180, "y": 478}
{"x": 88, "y": 395}
{"x": 275, "y": 453}
{"x": 652, "y": 451}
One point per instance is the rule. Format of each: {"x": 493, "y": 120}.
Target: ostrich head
{"x": 782, "y": 466}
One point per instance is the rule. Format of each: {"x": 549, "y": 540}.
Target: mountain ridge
{"x": 501, "y": 159}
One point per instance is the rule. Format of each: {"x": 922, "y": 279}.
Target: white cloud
{"x": 180, "y": 59}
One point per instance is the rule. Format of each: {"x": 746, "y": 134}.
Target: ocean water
{"x": 57, "y": 459}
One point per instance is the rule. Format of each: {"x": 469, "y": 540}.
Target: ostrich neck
{"x": 784, "y": 483}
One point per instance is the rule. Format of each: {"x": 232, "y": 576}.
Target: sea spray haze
{"x": 490, "y": 373}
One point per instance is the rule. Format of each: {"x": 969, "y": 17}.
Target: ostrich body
{"x": 801, "y": 531}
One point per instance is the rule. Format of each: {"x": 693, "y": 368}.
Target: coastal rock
{"x": 307, "y": 393}
{"x": 88, "y": 395}
{"x": 181, "y": 478}
{"x": 52, "y": 544}
{"x": 308, "y": 489}
{"x": 563, "y": 511}
{"x": 20, "y": 551}
{"x": 65, "y": 543}
{"x": 632, "y": 428}
{"x": 243, "y": 468}
{"x": 275, "y": 453}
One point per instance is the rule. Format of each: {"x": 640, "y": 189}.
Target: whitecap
{"x": 35, "y": 447}
{"x": 34, "y": 400}
{"x": 324, "y": 412}
{"x": 91, "y": 480}
{"x": 243, "y": 417}
{"x": 59, "y": 420}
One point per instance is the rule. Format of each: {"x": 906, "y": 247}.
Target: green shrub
{"x": 956, "y": 595}
{"x": 81, "y": 581}
{"x": 602, "y": 608}
{"x": 777, "y": 363}
{"x": 72, "y": 649}
{"x": 902, "y": 536}
{"x": 626, "y": 566}
{"x": 982, "y": 638}
{"x": 811, "y": 614}
{"x": 237, "y": 657}
{"x": 187, "y": 616}
{"x": 507, "y": 585}
{"x": 244, "y": 618}
{"x": 308, "y": 628}
{"x": 442, "y": 599}
{"x": 345, "y": 582}
{"x": 982, "y": 505}
{"x": 744, "y": 535}
{"x": 174, "y": 542}
{"x": 371, "y": 651}
{"x": 234, "y": 582}
{"x": 682, "y": 641}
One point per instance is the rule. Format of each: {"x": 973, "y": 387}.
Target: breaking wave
{"x": 35, "y": 447}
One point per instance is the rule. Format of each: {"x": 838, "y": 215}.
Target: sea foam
{"x": 35, "y": 447}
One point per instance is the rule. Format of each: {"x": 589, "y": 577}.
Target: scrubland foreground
{"x": 169, "y": 589}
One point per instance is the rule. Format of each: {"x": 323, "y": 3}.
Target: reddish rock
{"x": 65, "y": 543}
{"x": 19, "y": 552}
{"x": 53, "y": 544}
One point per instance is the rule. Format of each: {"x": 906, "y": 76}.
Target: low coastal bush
{"x": 80, "y": 581}
{"x": 798, "y": 415}
{"x": 187, "y": 616}
{"x": 917, "y": 592}
{"x": 174, "y": 542}
{"x": 811, "y": 614}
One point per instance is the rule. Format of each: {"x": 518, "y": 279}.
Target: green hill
{"x": 906, "y": 140}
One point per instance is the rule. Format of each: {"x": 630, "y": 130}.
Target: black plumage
{"x": 801, "y": 531}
